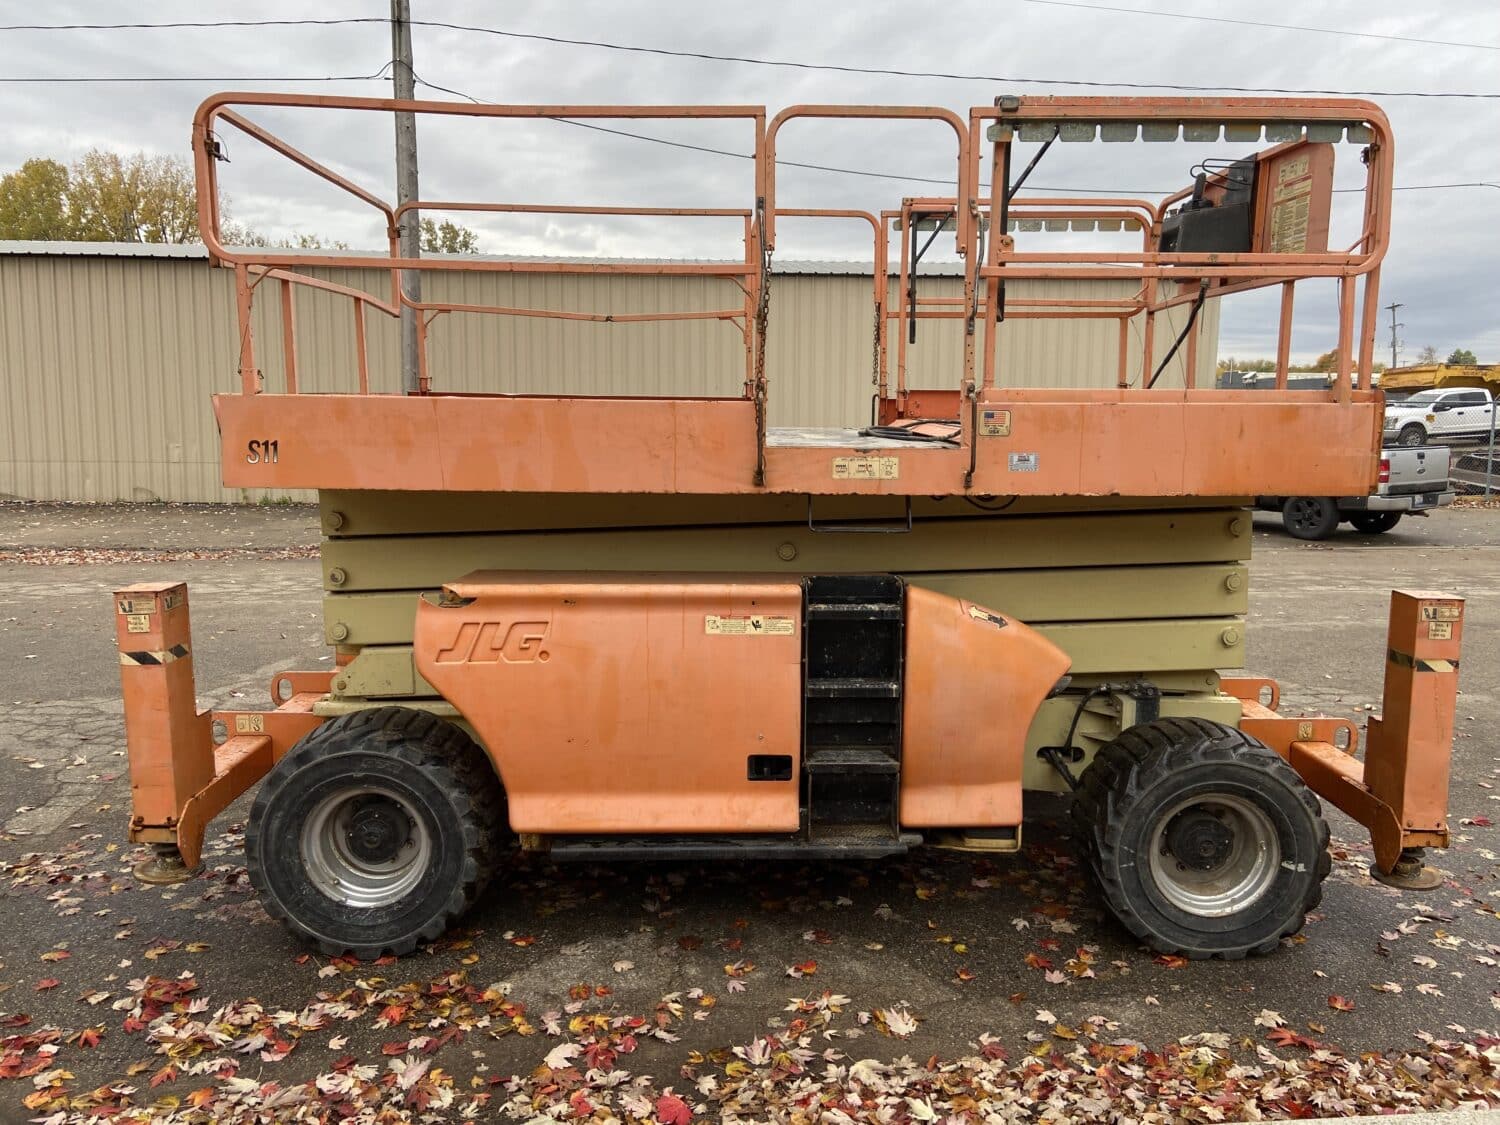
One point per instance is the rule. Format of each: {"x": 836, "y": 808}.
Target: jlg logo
{"x": 489, "y": 642}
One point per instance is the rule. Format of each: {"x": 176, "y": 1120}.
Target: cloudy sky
{"x": 1443, "y": 265}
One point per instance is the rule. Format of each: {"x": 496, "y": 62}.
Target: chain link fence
{"x": 1474, "y": 465}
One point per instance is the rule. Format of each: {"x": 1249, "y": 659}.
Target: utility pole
{"x": 406, "y": 187}
{"x": 1393, "y": 306}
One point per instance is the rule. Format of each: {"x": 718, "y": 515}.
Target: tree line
{"x": 1329, "y": 361}
{"x": 143, "y": 197}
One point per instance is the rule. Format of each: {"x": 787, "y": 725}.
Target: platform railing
{"x": 982, "y": 226}
{"x": 1220, "y": 273}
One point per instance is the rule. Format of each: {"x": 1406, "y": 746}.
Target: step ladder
{"x": 852, "y": 678}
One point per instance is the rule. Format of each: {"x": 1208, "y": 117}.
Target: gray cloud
{"x": 1442, "y": 264}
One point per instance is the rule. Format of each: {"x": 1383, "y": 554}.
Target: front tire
{"x": 376, "y": 832}
{"x": 1202, "y": 840}
{"x": 1310, "y": 517}
{"x": 1412, "y": 435}
{"x": 1375, "y": 523}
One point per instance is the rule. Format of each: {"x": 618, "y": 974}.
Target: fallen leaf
{"x": 672, "y": 1110}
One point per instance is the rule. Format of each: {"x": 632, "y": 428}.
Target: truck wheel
{"x": 1310, "y": 517}
{"x": 1203, "y": 841}
{"x": 376, "y": 831}
{"x": 1412, "y": 434}
{"x": 1374, "y": 523}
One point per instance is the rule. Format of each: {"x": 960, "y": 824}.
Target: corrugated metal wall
{"x": 107, "y": 363}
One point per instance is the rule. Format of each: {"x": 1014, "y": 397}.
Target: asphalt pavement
{"x": 939, "y": 986}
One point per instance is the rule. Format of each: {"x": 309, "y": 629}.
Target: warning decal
{"x": 756, "y": 625}
{"x": 866, "y": 468}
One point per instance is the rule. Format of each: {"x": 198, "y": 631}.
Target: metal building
{"x": 109, "y": 352}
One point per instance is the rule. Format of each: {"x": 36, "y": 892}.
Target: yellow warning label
{"x": 752, "y": 626}
{"x": 1442, "y": 612}
{"x": 138, "y": 623}
{"x": 249, "y": 724}
{"x": 1440, "y": 630}
{"x": 866, "y": 468}
{"x": 994, "y": 423}
{"x": 137, "y": 605}
{"x": 170, "y": 601}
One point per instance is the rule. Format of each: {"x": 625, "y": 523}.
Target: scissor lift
{"x": 629, "y": 626}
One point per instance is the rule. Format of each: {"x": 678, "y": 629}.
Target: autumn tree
{"x": 1427, "y": 355}
{"x": 106, "y": 197}
{"x": 1462, "y": 356}
{"x": 103, "y": 197}
{"x": 448, "y": 238}
{"x": 34, "y": 202}
{"x": 139, "y": 198}
{"x": 1328, "y": 361}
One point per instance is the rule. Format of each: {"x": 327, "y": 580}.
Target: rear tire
{"x": 376, "y": 832}
{"x": 1412, "y": 435}
{"x": 1310, "y": 517}
{"x": 1202, "y": 840}
{"x": 1375, "y": 523}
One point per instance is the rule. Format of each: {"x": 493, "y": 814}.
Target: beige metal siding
{"x": 107, "y": 363}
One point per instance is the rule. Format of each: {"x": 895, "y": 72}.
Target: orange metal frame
{"x": 1339, "y": 428}
{"x": 180, "y": 779}
{"x": 1400, "y": 791}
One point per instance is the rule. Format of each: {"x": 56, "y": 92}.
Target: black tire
{"x": 1135, "y": 795}
{"x": 410, "y": 789}
{"x": 1310, "y": 517}
{"x": 1412, "y": 434}
{"x": 1375, "y": 523}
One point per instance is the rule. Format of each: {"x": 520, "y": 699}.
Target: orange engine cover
{"x": 974, "y": 680}
{"x": 626, "y": 703}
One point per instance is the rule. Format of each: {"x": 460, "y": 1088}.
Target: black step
{"x": 850, "y": 759}
{"x": 857, "y": 611}
{"x": 862, "y": 588}
{"x": 844, "y": 841}
{"x": 828, "y": 687}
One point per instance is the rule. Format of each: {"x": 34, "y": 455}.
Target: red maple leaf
{"x": 672, "y": 1110}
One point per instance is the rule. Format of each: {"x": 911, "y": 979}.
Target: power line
{"x": 750, "y": 60}
{"x": 1262, "y": 23}
{"x": 200, "y": 24}
{"x": 190, "y": 24}
{"x": 898, "y": 73}
{"x": 217, "y": 80}
{"x": 881, "y": 175}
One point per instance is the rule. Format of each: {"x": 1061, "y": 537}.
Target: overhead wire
{"x": 873, "y": 174}
{"x": 753, "y": 60}
{"x": 1262, "y": 23}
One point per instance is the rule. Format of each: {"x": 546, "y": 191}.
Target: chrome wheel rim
{"x": 365, "y": 847}
{"x": 1213, "y": 856}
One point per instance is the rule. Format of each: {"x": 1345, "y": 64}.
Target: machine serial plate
{"x": 1024, "y": 462}
{"x": 866, "y": 468}
{"x": 754, "y": 626}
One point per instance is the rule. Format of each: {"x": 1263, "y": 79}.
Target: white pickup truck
{"x": 1412, "y": 481}
{"x": 1452, "y": 412}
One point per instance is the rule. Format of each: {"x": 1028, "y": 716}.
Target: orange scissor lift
{"x": 828, "y": 704}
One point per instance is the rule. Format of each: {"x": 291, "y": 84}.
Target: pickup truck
{"x": 1453, "y": 412}
{"x": 1412, "y": 481}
